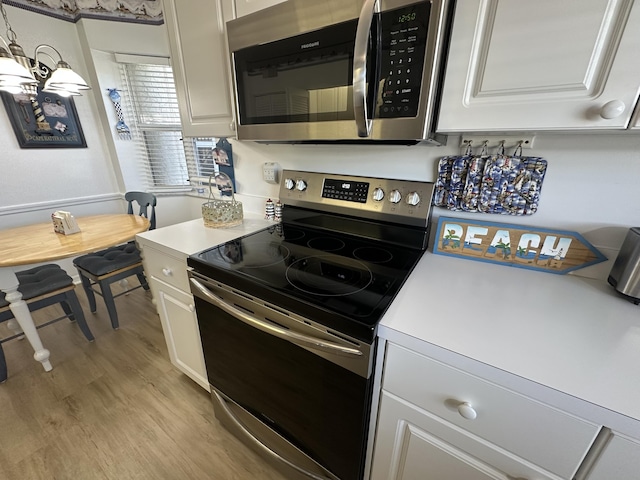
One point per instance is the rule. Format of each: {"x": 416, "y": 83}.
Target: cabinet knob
{"x": 467, "y": 411}
{"x": 167, "y": 272}
{"x": 612, "y": 109}
{"x": 192, "y": 307}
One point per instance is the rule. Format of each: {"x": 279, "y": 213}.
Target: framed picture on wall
{"x": 47, "y": 121}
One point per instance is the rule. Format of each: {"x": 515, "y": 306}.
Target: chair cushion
{"x": 38, "y": 281}
{"x": 110, "y": 259}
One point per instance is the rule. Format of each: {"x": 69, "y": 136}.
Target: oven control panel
{"x": 399, "y": 201}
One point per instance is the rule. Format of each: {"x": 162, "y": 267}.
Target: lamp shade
{"x": 12, "y": 72}
{"x": 63, "y": 78}
{"x": 11, "y": 88}
{"x": 63, "y": 92}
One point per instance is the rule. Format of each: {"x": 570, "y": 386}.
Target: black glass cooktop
{"x": 345, "y": 281}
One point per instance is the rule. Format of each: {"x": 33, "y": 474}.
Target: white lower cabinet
{"x": 180, "y": 325}
{"x": 620, "y": 460}
{"x": 413, "y": 444}
{"x": 438, "y": 422}
{"x": 169, "y": 283}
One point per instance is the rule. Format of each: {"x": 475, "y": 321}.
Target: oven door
{"x": 294, "y": 390}
{"x": 304, "y": 81}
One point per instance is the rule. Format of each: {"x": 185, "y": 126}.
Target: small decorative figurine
{"x": 269, "y": 210}
{"x": 121, "y": 128}
{"x": 278, "y": 211}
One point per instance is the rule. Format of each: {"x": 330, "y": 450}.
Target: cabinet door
{"x": 635, "y": 121}
{"x": 200, "y": 61}
{"x": 245, "y": 7}
{"x": 519, "y": 65}
{"x": 181, "y": 332}
{"x": 411, "y": 444}
{"x": 619, "y": 460}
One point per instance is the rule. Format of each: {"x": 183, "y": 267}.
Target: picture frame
{"x": 51, "y": 121}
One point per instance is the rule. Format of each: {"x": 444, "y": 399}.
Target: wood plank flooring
{"x": 112, "y": 409}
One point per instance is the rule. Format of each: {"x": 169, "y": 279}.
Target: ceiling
{"x": 138, "y": 11}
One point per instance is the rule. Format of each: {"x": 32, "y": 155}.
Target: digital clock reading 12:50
{"x": 407, "y": 17}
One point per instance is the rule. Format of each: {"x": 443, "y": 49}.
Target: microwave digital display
{"x": 349, "y": 191}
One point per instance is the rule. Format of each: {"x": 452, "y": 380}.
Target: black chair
{"x": 116, "y": 263}
{"x": 42, "y": 287}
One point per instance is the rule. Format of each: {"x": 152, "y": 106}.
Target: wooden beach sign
{"x": 555, "y": 251}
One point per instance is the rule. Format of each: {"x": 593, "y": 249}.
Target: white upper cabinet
{"x": 521, "y": 65}
{"x": 245, "y": 7}
{"x": 197, "y": 38}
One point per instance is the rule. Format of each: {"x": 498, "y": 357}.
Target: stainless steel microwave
{"x": 340, "y": 70}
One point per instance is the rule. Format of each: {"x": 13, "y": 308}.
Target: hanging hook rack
{"x": 518, "y": 151}
{"x": 498, "y": 141}
{"x": 468, "y": 148}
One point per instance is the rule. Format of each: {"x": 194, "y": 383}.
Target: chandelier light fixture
{"x": 18, "y": 75}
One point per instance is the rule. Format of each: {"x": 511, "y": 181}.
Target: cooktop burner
{"x": 328, "y": 275}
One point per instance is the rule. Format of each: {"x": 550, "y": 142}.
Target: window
{"x": 167, "y": 161}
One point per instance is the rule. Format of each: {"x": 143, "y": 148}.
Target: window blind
{"x": 149, "y": 91}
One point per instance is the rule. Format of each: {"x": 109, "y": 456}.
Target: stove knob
{"x": 378, "y": 194}
{"x": 301, "y": 185}
{"x": 413, "y": 199}
{"x": 395, "y": 196}
{"x": 289, "y": 184}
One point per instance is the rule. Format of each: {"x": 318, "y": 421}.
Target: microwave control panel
{"x": 404, "y": 38}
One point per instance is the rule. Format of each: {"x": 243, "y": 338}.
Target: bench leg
{"x": 86, "y": 285}
{"x": 107, "y": 295}
{"x": 76, "y": 309}
{"x": 143, "y": 280}
{"x": 3, "y": 366}
{"x": 67, "y": 311}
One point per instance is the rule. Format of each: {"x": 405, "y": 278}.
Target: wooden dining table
{"x": 39, "y": 243}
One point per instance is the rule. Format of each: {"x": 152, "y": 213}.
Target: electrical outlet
{"x": 270, "y": 172}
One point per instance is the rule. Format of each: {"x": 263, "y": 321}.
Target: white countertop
{"x": 191, "y": 237}
{"x": 572, "y": 334}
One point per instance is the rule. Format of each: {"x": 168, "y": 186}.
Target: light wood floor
{"x": 112, "y": 409}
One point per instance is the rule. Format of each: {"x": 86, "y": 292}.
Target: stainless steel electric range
{"x": 288, "y": 316}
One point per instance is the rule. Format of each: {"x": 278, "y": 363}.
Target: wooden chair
{"x": 116, "y": 263}
{"x": 42, "y": 287}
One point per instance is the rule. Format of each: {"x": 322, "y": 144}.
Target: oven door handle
{"x": 293, "y": 337}
{"x": 363, "y": 123}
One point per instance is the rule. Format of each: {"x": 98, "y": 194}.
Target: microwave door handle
{"x": 363, "y": 123}
{"x": 293, "y": 337}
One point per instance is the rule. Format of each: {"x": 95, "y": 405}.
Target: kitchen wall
{"x": 591, "y": 184}
{"x": 42, "y": 179}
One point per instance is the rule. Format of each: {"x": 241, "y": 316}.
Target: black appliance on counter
{"x": 288, "y": 316}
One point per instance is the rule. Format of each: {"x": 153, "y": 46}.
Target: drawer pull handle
{"x": 167, "y": 272}
{"x": 467, "y": 411}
